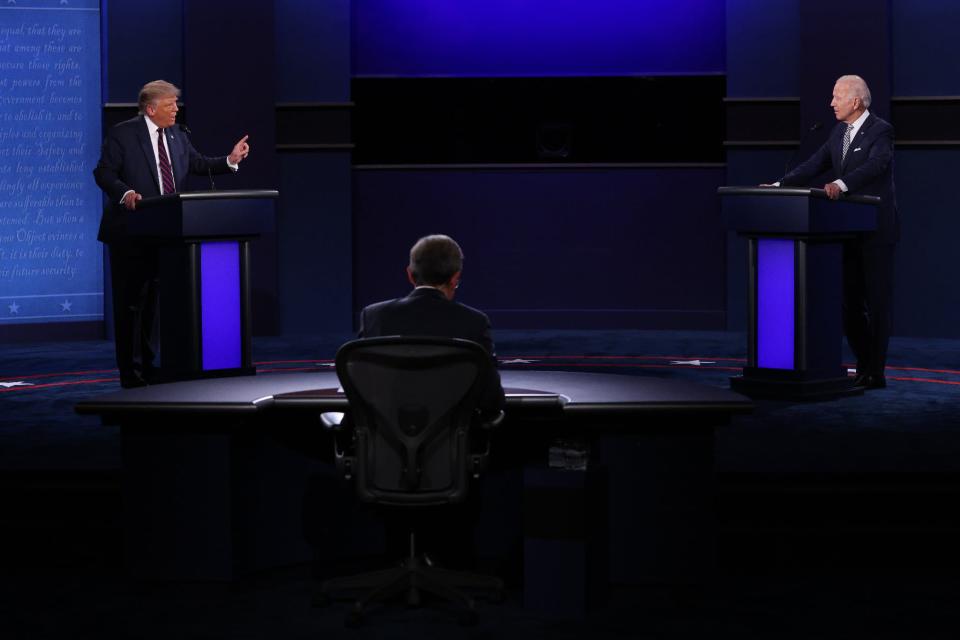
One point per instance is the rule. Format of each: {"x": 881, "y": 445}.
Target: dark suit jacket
{"x": 867, "y": 170}
{"x": 427, "y": 312}
{"x": 127, "y": 162}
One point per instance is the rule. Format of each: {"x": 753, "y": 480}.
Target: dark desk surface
{"x": 571, "y": 393}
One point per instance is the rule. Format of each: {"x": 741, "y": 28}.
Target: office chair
{"x": 406, "y": 443}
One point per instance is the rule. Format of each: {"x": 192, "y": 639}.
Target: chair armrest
{"x": 491, "y": 423}
{"x": 331, "y": 420}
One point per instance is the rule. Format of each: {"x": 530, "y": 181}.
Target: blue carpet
{"x": 913, "y": 425}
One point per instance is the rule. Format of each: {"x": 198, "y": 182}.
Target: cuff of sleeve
{"x": 841, "y": 184}
{"x": 124, "y": 196}
{"x": 233, "y": 167}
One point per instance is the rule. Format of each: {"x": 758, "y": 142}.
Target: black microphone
{"x": 186, "y": 130}
{"x": 816, "y": 126}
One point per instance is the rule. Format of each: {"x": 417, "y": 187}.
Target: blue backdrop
{"x": 50, "y": 261}
{"x": 537, "y": 37}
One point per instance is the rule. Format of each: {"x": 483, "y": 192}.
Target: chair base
{"x": 415, "y": 574}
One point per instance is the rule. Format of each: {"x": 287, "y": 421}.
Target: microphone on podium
{"x": 816, "y": 126}
{"x": 186, "y": 130}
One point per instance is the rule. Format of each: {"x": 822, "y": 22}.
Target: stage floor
{"x": 913, "y": 425}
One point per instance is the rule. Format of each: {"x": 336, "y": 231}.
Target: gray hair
{"x": 857, "y": 88}
{"x": 153, "y": 91}
{"x": 435, "y": 259}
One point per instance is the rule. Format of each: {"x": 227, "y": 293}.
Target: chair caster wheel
{"x": 467, "y": 618}
{"x": 353, "y": 619}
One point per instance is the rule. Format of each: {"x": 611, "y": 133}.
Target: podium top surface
{"x": 203, "y": 215}
{"x": 792, "y": 191}
{"x": 246, "y": 194}
{"x": 797, "y": 212}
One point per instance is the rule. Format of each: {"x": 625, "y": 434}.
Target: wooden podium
{"x": 203, "y": 240}
{"x": 795, "y": 289}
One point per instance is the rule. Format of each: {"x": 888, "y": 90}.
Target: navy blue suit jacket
{"x": 867, "y": 171}
{"x": 427, "y": 312}
{"x": 127, "y": 162}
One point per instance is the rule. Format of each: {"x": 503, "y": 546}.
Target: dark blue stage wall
{"x": 50, "y": 261}
{"x": 564, "y": 248}
{"x": 907, "y": 51}
{"x": 537, "y": 37}
{"x": 582, "y": 246}
{"x": 315, "y": 244}
{"x": 925, "y": 54}
{"x": 228, "y": 53}
{"x": 127, "y": 62}
{"x": 248, "y": 66}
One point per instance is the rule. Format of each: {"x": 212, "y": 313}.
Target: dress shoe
{"x": 131, "y": 381}
{"x": 867, "y": 381}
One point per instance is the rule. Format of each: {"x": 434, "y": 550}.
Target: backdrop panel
{"x": 554, "y": 248}
{"x": 50, "y": 261}
{"x": 537, "y": 37}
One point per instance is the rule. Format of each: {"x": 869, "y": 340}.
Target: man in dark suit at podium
{"x": 143, "y": 157}
{"x": 859, "y": 155}
{"x": 436, "y": 264}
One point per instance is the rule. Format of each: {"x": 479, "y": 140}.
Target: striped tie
{"x": 846, "y": 142}
{"x": 166, "y": 173}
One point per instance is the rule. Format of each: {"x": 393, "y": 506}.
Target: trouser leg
{"x": 878, "y": 267}
{"x": 856, "y": 318}
{"x": 133, "y": 273}
{"x": 867, "y": 303}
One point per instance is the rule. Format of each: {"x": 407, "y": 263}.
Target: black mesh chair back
{"x": 412, "y": 401}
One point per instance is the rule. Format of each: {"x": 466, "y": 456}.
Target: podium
{"x": 203, "y": 241}
{"x": 795, "y": 290}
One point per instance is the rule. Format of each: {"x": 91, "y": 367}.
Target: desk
{"x": 214, "y": 469}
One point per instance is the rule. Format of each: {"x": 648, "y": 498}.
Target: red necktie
{"x": 166, "y": 173}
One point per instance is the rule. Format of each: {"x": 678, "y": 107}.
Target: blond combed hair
{"x": 153, "y": 91}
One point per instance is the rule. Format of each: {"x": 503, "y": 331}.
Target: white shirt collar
{"x": 151, "y": 125}
{"x": 859, "y": 123}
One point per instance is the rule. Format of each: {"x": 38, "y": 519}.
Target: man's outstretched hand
{"x": 240, "y": 151}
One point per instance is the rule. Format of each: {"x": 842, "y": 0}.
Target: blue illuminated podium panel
{"x": 795, "y": 331}
{"x": 203, "y": 240}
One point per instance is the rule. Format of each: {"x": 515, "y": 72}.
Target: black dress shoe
{"x": 132, "y": 381}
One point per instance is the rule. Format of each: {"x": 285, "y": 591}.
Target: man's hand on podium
{"x": 833, "y": 190}
{"x": 130, "y": 199}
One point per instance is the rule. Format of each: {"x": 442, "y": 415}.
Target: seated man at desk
{"x": 436, "y": 263}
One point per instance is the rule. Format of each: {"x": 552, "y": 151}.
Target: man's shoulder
{"x": 379, "y": 307}
{"x": 877, "y": 124}
{"x": 127, "y": 127}
{"x": 473, "y": 311}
